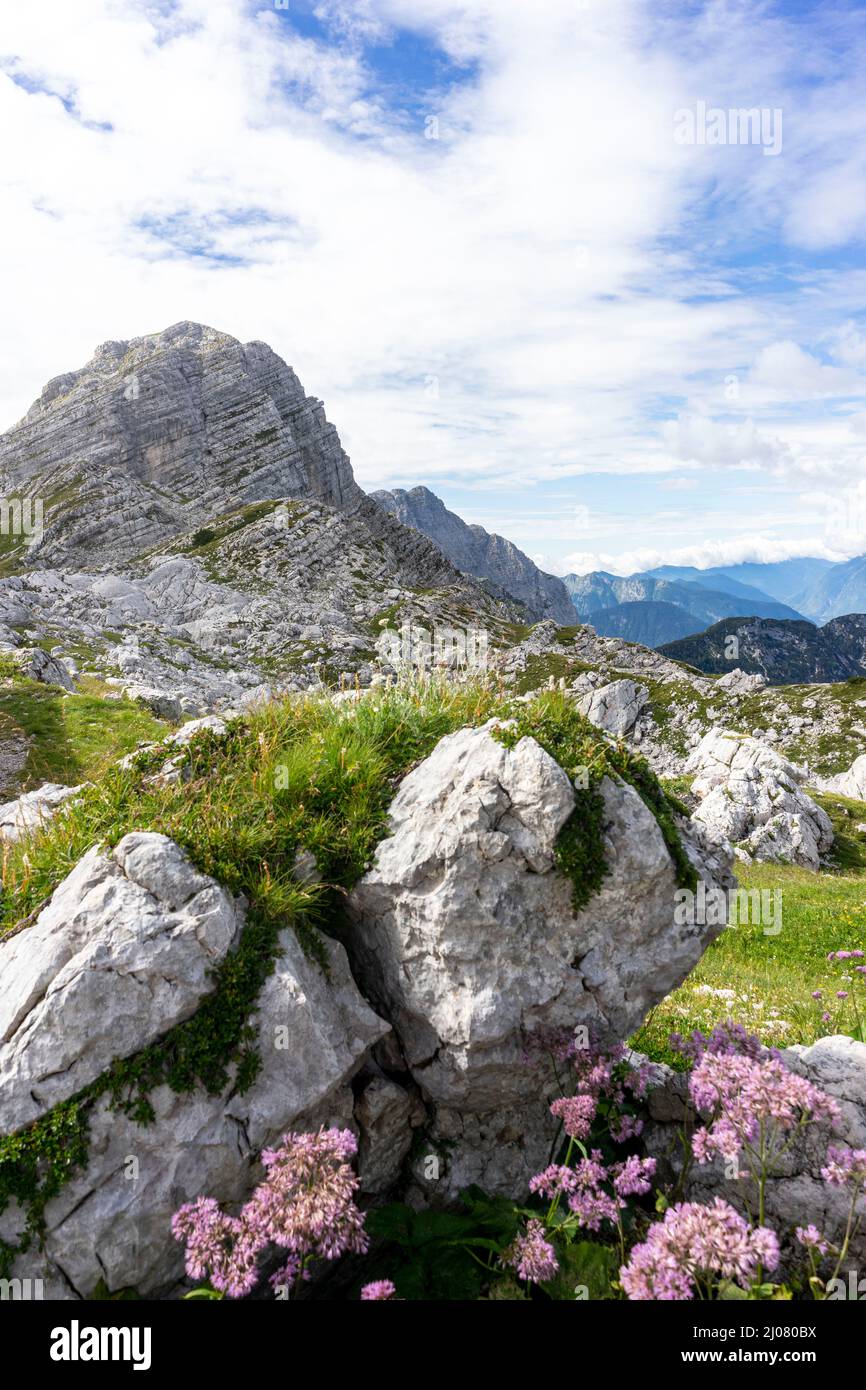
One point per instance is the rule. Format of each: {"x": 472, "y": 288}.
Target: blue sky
{"x": 522, "y": 251}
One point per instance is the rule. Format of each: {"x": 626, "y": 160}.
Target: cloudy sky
{"x": 520, "y": 248}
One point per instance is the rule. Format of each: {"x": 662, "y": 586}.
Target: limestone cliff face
{"x": 164, "y": 433}
{"x": 475, "y": 551}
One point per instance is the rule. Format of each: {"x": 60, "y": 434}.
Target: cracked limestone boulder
{"x": 615, "y": 707}
{"x": 849, "y": 783}
{"x": 121, "y": 953}
{"x": 751, "y": 795}
{"x": 111, "y": 1223}
{"x": 465, "y": 937}
{"x": 39, "y": 666}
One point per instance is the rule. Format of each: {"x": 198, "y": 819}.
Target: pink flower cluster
{"x": 811, "y": 1239}
{"x": 585, "y": 1185}
{"x": 608, "y": 1074}
{"x": 696, "y": 1242}
{"x": 380, "y": 1291}
{"x": 727, "y": 1039}
{"x": 845, "y": 1168}
{"x": 577, "y": 1114}
{"x": 305, "y": 1206}
{"x": 532, "y": 1256}
{"x": 749, "y": 1097}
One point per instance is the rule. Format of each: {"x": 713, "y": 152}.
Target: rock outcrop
{"x": 615, "y": 707}
{"x": 32, "y": 810}
{"x": 160, "y": 434}
{"x": 850, "y": 783}
{"x": 200, "y": 505}
{"x": 111, "y": 1223}
{"x": 752, "y": 796}
{"x": 122, "y": 952}
{"x": 38, "y": 665}
{"x": 465, "y": 937}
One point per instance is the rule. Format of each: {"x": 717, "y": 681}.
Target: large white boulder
{"x": 739, "y": 682}
{"x": 851, "y": 783}
{"x": 123, "y": 951}
{"x": 465, "y": 937}
{"x": 111, "y": 1223}
{"x": 751, "y": 795}
{"x": 615, "y": 707}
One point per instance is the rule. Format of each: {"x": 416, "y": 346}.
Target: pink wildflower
{"x": 845, "y": 1167}
{"x": 577, "y": 1114}
{"x": 696, "y": 1242}
{"x": 532, "y": 1256}
{"x": 750, "y": 1098}
{"x": 380, "y": 1291}
{"x": 811, "y": 1238}
{"x": 305, "y": 1206}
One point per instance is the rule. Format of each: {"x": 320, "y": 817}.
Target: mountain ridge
{"x": 785, "y": 653}
{"x": 481, "y": 553}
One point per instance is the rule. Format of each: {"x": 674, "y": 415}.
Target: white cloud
{"x": 790, "y": 372}
{"x": 736, "y": 443}
{"x": 705, "y": 555}
{"x": 549, "y": 260}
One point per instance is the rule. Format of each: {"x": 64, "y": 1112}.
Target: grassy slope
{"x": 766, "y": 981}
{"x": 74, "y": 737}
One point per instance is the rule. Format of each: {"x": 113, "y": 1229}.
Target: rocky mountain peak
{"x": 162, "y": 433}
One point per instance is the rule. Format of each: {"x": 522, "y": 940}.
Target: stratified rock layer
{"x": 475, "y": 551}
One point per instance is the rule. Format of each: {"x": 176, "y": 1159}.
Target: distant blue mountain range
{"x": 672, "y": 602}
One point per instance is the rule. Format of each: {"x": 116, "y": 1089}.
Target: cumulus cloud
{"x": 736, "y": 443}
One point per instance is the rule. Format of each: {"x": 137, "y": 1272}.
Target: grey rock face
{"x": 161, "y": 434}
{"x": 32, "y": 810}
{"x": 112, "y": 1221}
{"x": 475, "y": 551}
{"x": 386, "y": 1114}
{"x": 122, "y": 952}
{"x": 750, "y": 793}
{"x": 465, "y": 937}
{"x": 851, "y": 783}
{"x": 797, "y": 1195}
{"x": 615, "y": 707}
{"x": 739, "y": 682}
{"x": 39, "y": 666}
